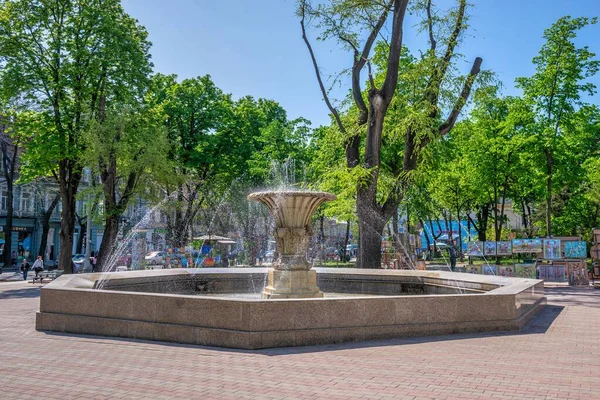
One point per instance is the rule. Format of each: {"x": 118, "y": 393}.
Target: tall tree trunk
{"x": 9, "y": 162}
{"x": 9, "y": 224}
{"x": 435, "y": 237}
{"x": 483, "y": 216}
{"x": 80, "y": 238}
{"x": 407, "y": 219}
{"x": 180, "y": 226}
{"x": 46, "y": 226}
{"x": 67, "y": 228}
{"x": 549, "y": 166}
{"x": 468, "y": 233}
{"x": 111, "y": 229}
{"x": 468, "y": 226}
{"x": 69, "y": 178}
{"x": 369, "y": 248}
{"x": 346, "y": 238}
{"x": 427, "y": 241}
{"x": 529, "y": 224}
{"x": 370, "y": 214}
{"x": 371, "y": 223}
{"x": 460, "y": 252}
{"x": 395, "y": 227}
{"x": 524, "y": 216}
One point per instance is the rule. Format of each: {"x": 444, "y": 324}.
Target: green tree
{"x": 64, "y": 56}
{"x": 493, "y": 142}
{"x": 10, "y": 147}
{"x": 554, "y": 93}
{"x": 195, "y": 113}
{"x": 575, "y": 204}
{"x": 347, "y": 22}
{"x": 126, "y": 148}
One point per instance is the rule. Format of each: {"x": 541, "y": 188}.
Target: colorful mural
{"x": 489, "y": 248}
{"x": 475, "y": 249}
{"x": 551, "y": 273}
{"x": 474, "y": 269}
{"x": 504, "y": 248}
{"x": 525, "y": 271}
{"x": 552, "y": 249}
{"x": 527, "y": 246}
{"x": 490, "y": 269}
{"x": 575, "y": 250}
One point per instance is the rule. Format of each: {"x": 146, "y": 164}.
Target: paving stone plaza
{"x": 556, "y": 356}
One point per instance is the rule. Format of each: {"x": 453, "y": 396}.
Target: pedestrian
{"x": 38, "y": 266}
{"x": 94, "y": 261}
{"x": 25, "y": 267}
{"x": 14, "y": 258}
{"x": 453, "y": 256}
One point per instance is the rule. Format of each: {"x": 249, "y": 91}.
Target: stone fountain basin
{"x": 164, "y": 305}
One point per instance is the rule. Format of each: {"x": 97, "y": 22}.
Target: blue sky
{"x": 254, "y": 47}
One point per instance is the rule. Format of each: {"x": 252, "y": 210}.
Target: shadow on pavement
{"x": 573, "y": 296}
{"x": 21, "y": 293}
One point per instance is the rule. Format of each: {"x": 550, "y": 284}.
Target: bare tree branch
{"x": 462, "y": 99}
{"x": 333, "y": 110}
{"x": 391, "y": 76}
{"x": 371, "y": 80}
{"x": 360, "y": 62}
{"x": 432, "y": 90}
{"x": 432, "y": 42}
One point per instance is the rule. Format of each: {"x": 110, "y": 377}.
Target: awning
{"x": 227, "y": 242}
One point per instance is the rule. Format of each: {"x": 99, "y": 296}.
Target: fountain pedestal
{"x": 291, "y": 285}
{"x": 291, "y": 275}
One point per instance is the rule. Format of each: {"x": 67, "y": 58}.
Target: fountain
{"x": 290, "y": 304}
{"x": 291, "y": 275}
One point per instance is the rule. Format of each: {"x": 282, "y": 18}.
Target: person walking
{"x": 453, "y": 256}
{"x": 38, "y": 266}
{"x": 25, "y": 267}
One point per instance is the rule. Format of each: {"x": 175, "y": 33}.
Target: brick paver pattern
{"x": 557, "y": 356}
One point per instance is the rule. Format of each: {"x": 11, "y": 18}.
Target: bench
{"x": 52, "y": 275}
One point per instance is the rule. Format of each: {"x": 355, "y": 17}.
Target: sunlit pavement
{"x": 557, "y": 356}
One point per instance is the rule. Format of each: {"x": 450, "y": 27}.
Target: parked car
{"x": 155, "y": 257}
{"x": 331, "y": 254}
{"x": 351, "y": 250}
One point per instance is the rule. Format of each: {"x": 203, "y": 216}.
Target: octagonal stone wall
{"x": 134, "y": 305}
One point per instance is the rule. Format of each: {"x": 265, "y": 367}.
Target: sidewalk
{"x": 555, "y": 356}
{"x": 12, "y": 275}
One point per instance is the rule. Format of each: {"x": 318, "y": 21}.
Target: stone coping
{"x": 71, "y": 304}
{"x": 504, "y": 285}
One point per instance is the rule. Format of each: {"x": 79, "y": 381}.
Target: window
{"x": 26, "y": 204}
{"x": 4, "y": 203}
